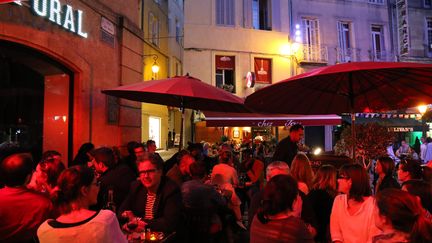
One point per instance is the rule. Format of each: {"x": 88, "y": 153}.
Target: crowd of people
{"x": 102, "y": 196}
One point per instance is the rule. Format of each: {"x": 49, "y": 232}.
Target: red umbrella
{"x": 348, "y": 88}
{"x": 183, "y": 92}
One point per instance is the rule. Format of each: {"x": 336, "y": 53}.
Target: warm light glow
{"x": 285, "y": 49}
{"x": 295, "y": 47}
{"x": 152, "y": 237}
{"x": 422, "y": 109}
{"x": 317, "y": 151}
{"x": 155, "y": 67}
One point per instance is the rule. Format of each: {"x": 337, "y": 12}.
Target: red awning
{"x": 226, "y": 119}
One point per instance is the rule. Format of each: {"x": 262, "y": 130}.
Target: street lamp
{"x": 422, "y": 109}
{"x": 155, "y": 67}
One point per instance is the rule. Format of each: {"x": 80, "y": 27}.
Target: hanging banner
{"x": 402, "y": 25}
{"x": 263, "y": 70}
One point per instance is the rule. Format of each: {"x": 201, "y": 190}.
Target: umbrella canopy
{"x": 183, "y": 92}
{"x": 348, "y": 88}
{"x": 180, "y": 91}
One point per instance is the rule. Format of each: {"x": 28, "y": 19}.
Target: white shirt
{"x": 228, "y": 173}
{"x": 102, "y": 228}
{"x": 357, "y": 228}
{"x": 423, "y": 148}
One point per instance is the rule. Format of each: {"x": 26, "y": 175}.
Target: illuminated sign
{"x": 401, "y": 129}
{"x": 64, "y": 16}
{"x": 402, "y": 24}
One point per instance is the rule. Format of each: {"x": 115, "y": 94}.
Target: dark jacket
{"x": 118, "y": 179}
{"x": 285, "y": 151}
{"x": 166, "y": 209}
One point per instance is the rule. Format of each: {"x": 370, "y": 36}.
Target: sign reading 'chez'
{"x": 64, "y": 16}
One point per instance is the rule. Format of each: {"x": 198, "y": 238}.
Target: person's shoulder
{"x": 106, "y": 215}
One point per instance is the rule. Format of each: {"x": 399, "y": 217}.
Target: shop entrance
{"x": 35, "y": 100}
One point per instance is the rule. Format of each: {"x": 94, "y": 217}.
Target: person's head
{"x": 423, "y": 140}
{"x": 296, "y": 132}
{"x": 279, "y": 196}
{"x": 325, "y": 179}
{"x": 277, "y": 168}
{"x": 197, "y": 171}
{"x": 103, "y": 159}
{"x": 47, "y": 173}
{"x": 84, "y": 154}
{"x": 151, "y": 146}
{"x": 400, "y": 211}
{"x": 16, "y": 169}
{"x": 140, "y": 152}
{"x": 422, "y": 190}
{"x": 225, "y": 153}
{"x": 9, "y": 148}
{"x": 185, "y": 163}
{"x": 409, "y": 169}
{"x": 195, "y": 149}
{"x": 404, "y": 143}
{"x": 384, "y": 166}
{"x": 131, "y": 146}
{"x": 353, "y": 180}
{"x": 150, "y": 173}
{"x": 77, "y": 188}
{"x": 301, "y": 169}
{"x": 52, "y": 155}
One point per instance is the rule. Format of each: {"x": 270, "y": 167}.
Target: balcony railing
{"x": 313, "y": 54}
{"x": 381, "y": 56}
{"x": 347, "y": 55}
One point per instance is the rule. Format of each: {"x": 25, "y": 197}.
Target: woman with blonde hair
{"x": 321, "y": 197}
{"x": 301, "y": 170}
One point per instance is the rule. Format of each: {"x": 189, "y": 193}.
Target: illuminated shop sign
{"x": 62, "y": 15}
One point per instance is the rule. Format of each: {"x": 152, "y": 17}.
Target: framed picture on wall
{"x": 236, "y": 134}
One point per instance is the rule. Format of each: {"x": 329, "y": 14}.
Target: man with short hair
{"x": 181, "y": 172}
{"x": 21, "y": 210}
{"x": 273, "y": 169}
{"x": 287, "y": 148}
{"x": 112, "y": 176}
{"x": 151, "y": 148}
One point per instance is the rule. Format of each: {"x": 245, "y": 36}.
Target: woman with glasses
{"x": 154, "y": 199}
{"x": 351, "y": 219}
{"x": 400, "y": 217}
{"x": 77, "y": 191}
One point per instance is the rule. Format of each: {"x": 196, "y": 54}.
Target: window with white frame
{"x": 154, "y": 29}
{"x": 311, "y": 38}
{"x": 261, "y": 14}
{"x": 225, "y": 12}
{"x": 377, "y": 42}
{"x": 344, "y": 41}
{"x": 429, "y": 33}
{"x": 225, "y": 73}
{"x": 376, "y": 1}
{"x": 427, "y": 3}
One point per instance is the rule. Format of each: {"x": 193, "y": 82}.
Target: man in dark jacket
{"x": 287, "y": 148}
{"x": 112, "y": 176}
{"x": 154, "y": 198}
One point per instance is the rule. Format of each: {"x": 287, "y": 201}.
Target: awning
{"x": 226, "y": 119}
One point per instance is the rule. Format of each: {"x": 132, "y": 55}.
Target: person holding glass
{"x": 154, "y": 201}
{"x": 77, "y": 190}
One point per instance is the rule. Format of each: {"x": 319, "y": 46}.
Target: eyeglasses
{"x": 148, "y": 172}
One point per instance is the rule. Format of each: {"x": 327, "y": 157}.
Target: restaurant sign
{"x": 401, "y": 129}
{"x": 62, "y": 15}
{"x": 265, "y": 123}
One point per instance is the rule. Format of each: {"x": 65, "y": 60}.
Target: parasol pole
{"x": 351, "y": 100}
{"x": 181, "y": 124}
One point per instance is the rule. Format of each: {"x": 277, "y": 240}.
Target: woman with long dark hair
{"x": 400, "y": 217}
{"x": 77, "y": 190}
{"x": 276, "y": 221}
{"x": 351, "y": 219}
{"x": 384, "y": 168}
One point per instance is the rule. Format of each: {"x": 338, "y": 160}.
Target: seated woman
{"x": 399, "y": 215}
{"x": 275, "y": 220}
{"x": 155, "y": 198}
{"x": 384, "y": 168}
{"x": 351, "y": 219}
{"x": 77, "y": 190}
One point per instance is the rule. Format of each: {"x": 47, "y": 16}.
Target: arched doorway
{"x": 35, "y": 100}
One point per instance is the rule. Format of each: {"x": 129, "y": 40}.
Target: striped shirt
{"x": 149, "y": 206}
